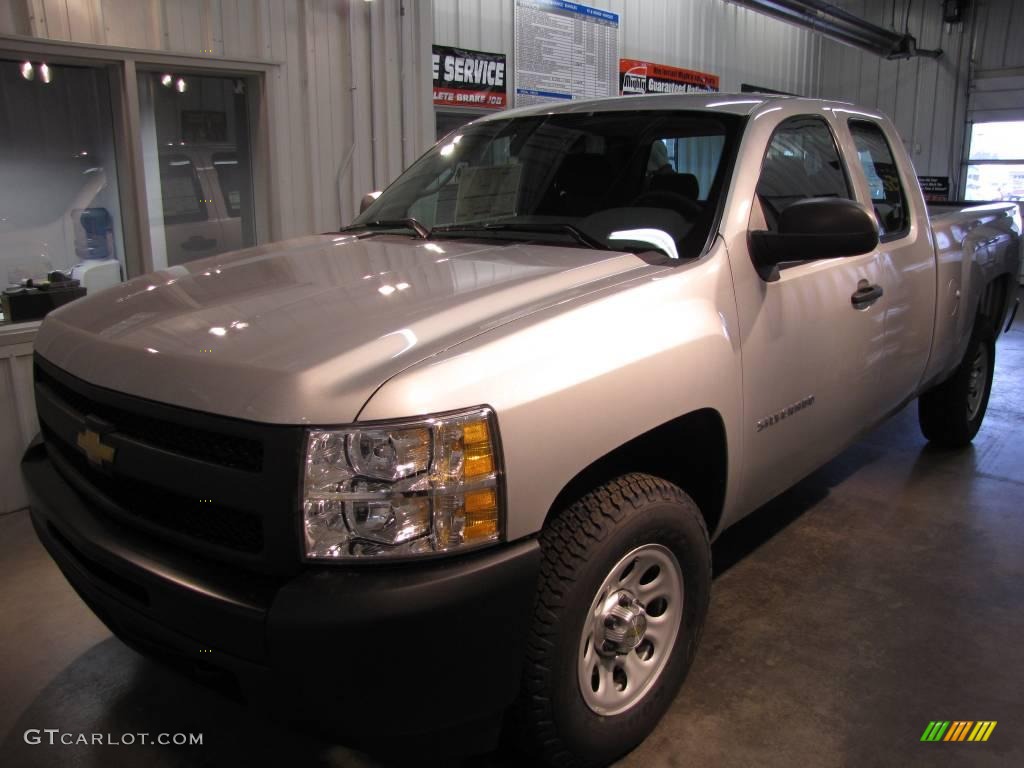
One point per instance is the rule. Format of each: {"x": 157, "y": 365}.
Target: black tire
{"x": 944, "y": 411}
{"x": 580, "y": 547}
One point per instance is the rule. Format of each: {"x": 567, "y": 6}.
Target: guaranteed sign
{"x": 465, "y": 78}
{"x": 646, "y": 77}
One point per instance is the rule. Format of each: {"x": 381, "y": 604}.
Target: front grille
{"x": 211, "y": 523}
{"x": 226, "y": 450}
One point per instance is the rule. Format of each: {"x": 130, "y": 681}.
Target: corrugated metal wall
{"x": 350, "y": 102}
{"x": 925, "y": 97}
{"x": 931, "y": 100}
{"x": 708, "y": 35}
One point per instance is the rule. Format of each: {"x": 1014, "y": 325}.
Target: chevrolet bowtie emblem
{"x": 95, "y": 450}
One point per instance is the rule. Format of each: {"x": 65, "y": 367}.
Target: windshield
{"x": 638, "y": 181}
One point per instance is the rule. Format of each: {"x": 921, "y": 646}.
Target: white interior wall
{"x": 714, "y": 36}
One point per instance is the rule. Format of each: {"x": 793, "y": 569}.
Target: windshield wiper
{"x": 421, "y": 230}
{"x": 579, "y": 235}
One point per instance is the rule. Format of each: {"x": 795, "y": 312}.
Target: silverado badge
{"x": 94, "y": 448}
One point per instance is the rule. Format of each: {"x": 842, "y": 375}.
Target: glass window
{"x": 180, "y": 190}
{"x": 448, "y": 121}
{"x": 197, "y": 161}
{"x": 59, "y": 205}
{"x": 694, "y": 157}
{"x": 529, "y": 177}
{"x": 996, "y": 167}
{"x": 802, "y": 161}
{"x": 883, "y": 177}
{"x": 231, "y": 181}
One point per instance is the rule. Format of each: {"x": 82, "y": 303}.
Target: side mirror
{"x": 815, "y": 228}
{"x": 368, "y": 200}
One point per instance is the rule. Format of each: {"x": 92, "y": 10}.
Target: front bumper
{"x": 391, "y": 650}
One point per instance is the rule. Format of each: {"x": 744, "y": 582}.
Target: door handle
{"x": 866, "y": 295}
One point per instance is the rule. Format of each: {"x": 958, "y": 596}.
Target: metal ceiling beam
{"x": 842, "y": 26}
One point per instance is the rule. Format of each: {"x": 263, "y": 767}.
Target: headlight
{"x": 402, "y": 489}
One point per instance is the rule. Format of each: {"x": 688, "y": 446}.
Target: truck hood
{"x": 304, "y": 331}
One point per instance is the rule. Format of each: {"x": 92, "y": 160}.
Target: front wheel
{"x": 622, "y": 596}
{"x": 951, "y": 413}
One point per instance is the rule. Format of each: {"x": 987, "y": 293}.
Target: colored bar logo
{"x": 958, "y": 730}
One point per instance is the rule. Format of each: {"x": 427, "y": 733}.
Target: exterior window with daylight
{"x": 198, "y": 167}
{"x": 995, "y": 170}
{"x": 60, "y": 212}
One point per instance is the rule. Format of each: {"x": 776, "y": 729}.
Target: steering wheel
{"x": 662, "y": 198}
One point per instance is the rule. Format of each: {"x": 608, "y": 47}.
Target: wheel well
{"x": 689, "y": 451}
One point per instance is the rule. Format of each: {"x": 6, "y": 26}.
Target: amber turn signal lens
{"x": 478, "y": 456}
{"x": 481, "y": 515}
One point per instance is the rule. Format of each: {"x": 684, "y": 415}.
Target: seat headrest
{"x": 685, "y": 184}
{"x": 582, "y": 182}
{"x": 583, "y": 170}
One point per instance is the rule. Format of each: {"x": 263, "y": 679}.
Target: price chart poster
{"x": 564, "y": 51}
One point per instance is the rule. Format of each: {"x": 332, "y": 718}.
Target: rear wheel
{"x": 623, "y": 593}
{"x": 951, "y": 413}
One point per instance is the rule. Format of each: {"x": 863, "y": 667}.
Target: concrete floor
{"x": 884, "y": 591}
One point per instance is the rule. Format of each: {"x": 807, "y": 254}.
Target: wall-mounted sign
{"x": 465, "y": 78}
{"x": 646, "y": 77}
{"x": 935, "y": 188}
{"x": 564, "y": 51}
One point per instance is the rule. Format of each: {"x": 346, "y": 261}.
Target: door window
{"x": 887, "y": 196}
{"x": 802, "y": 161}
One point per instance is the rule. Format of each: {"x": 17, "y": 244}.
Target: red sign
{"x": 646, "y": 77}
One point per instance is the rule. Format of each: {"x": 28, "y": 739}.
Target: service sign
{"x": 465, "y": 78}
{"x": 637, "y": 77}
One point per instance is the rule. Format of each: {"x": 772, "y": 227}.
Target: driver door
{"x": 810, "y": 358}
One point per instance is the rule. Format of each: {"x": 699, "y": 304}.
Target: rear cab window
{"x": 883, "y": 177}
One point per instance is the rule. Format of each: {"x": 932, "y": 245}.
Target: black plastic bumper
{"x": 393, "y": 650}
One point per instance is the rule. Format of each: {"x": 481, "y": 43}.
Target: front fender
{"x": 576, "y": 381}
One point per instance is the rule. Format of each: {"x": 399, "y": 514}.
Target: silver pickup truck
{"x": 457, "y": 467}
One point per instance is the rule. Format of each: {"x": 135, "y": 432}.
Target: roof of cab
{"x": 732, "y": 103}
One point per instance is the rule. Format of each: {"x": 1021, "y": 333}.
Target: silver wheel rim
{"x": 630, "y": 629}
{"x": 976, "y": 382}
